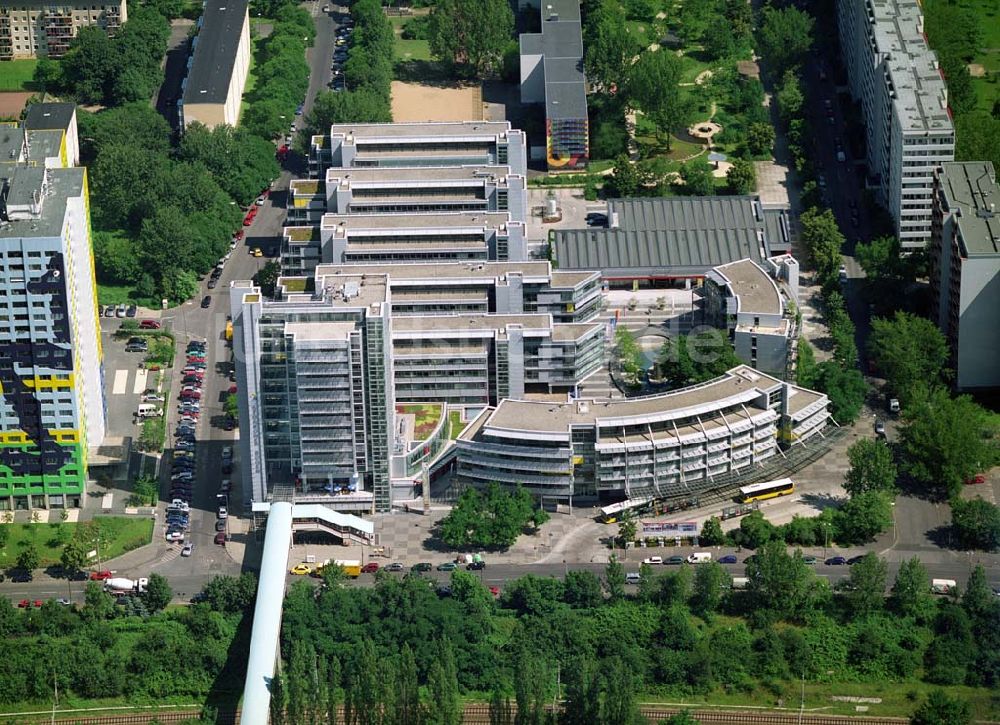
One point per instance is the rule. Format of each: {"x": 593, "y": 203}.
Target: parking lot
{"x": 124, "y": 380}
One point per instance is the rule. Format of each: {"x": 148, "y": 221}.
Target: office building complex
{"x": 324, "y": 369}
{"x": 218, "y": 67}
{"x": 965, "y": 275}
{"x": 39, "y": 28}
{"x": 672, "y": 445}
{"x": 392, "y": 239}
{"x": 746, "y": 299}
{"x": 904, "y": 101}
{"x": 658, "y": 242}
{"x": 461, "y": 143}
{"x": 51, "y": 365}
{"x": 552, "y": 74}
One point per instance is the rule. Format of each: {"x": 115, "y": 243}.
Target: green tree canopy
{"x": 653, "y": 88}
{"x": 940, "y": 708}
{"x": 864, "y": 516}
{"x": 242, "y": 164}
{"x": 910, "y": 352}
{"x": 741, "y": 176}
{"x": 976, "y": 523}
{"x": 946, "y": 440}
{"x": 781, "y": 583}
{"x": 865, "y": 587}
{"x": 871, "y": 467}
{"x": 823, "y": 240}
{"x": 158, "y": 593}
{"x": 697, "y": 178}
{"x": 28, "y": 558}
{"x": 471, "y": 35}
{"x": 609, "y": 48}
{"x": 690, "y": 359}
{"x": 785, "y": 37}
{"x": 491, "y": 519}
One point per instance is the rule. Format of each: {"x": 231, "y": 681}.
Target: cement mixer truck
{"x": 121, "y": 585}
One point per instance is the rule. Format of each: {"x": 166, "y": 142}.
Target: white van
{"x": 943, "y": 586}
{"x": 148, "y": 410}
{"x": 740, "y": 582}
{"x": 699, "y": 557}
{"x": 633, "y": 577}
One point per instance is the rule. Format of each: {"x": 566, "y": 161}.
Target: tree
{"x": 785, "y": 37}
{"x": 98, "y": 605}
{"x": 158, "y": 593}
{"x": 28, "y": 558}
{"x": 492, "y": 520}
{"x": 976, "y": 523}
{"x": 871, "y": 467}
{"x": 790, "y": 97}
{"x": 531, "y": 684}
{"x": 946, "y": 440}
{"x": 241, "y": 163}
{"x": 442, "y": 685}
{"x": 760, "y": 139}
{"x": 357, "y": 106}
{"x": 609, "y": 49}
{"x": 977, "y": 137}
{"x": 697, "y": 178}
{"x": 624, "y": 177}
{"x": 846, "y": 389}
{"x": 756, "y": 530}
{"x": 940, "y": 708}
{"x": 267, "y": 278}
{"x": 979, "y": 601}
{"x": 74, "y": 556}
{"x": 691, "y": 359}
{"x": 501, "y": 712}
{"x": 582, "y": 589}
{"x": 781, "y": 583}
{"x": 626, "y": 530}
{"x": 711, "y": 532}
{"x": 865, "y": 588}
{"x": 471, "y": 35}
{"x": 619, "y": 705}
{"x": 823, "y": 240}
{"x": 653, "y": 88}
{"x": 863, "y": 517}
{"x": 910, "y": 592}
{"x": 628, "y": 353}
{"x": 279, "y": 699}
{"x": 583, "y": 693}
{"x": 910, "y": 352}
{"x": 614, "y": 579}
{"x": 232, "y": 407}
{"x": 741, "y": 177}
{"x": 710, "y": 579}
{"x": 407, "y": 689}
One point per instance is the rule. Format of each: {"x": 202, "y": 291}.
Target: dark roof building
{"x": 674, "y": 237}
{"x": 552, "y": 73}
{"x": 219, "y": 64}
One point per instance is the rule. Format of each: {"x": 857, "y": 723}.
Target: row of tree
{"x": 99, "y": 69}
{"x": 368, "y": 74}
{"x": 281, "y": 71}
{"x": 492, "y": 519}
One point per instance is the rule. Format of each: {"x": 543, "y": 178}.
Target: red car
{"x": 978, "y": 478}
{"x": 232, "y": 390}
{"x": 149, "y": 325}
{"x": 191, "y": 359}
{"x": 24, "y": 604}
{"x": 38, "y": 603}
{"x": 370, "y": 568}
{"x": 266, "y": 193}
{"x": 495, "y": 591}
{"x": 248, "y": 219}
{"x": 220, "y": 538}
{"x": 99, "y": 576}
{"x": 239, "y": 235}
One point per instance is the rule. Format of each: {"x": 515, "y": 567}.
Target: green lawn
{"x": 408, "y": 49}
{"x": 16, "y": 75}
{"x": 455, "y": 424}
{"x": 118, "y": 534}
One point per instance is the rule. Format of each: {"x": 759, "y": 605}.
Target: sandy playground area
{"x": 418, "y": 102}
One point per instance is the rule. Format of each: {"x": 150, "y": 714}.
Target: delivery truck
{"x": 121, "y": 585}
{"x": 351, "y": 567}
{"x": 943, "y": 586}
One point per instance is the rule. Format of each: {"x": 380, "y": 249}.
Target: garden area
{"x": 426, "y": 417}
{"x": 111, "y": 535}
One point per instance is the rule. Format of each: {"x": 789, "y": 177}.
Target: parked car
{"x": 149, "y": 325}
{"x": 727, "y": 559}
{"x": 213, "y": 283}
{"x": 300, "y": 569}
{"x": 131, "y": 311}
{"x": 121, "y": 310}
{"x": 206, "y": 301}
{"x": 879, "y": 427}
{"x": 447, "y": 566}
{"x": 227, "y": 453}
{"x": 653, "y": 560}
{"x": 100, "y": 575}
{"x": 475, "y": 565}
{"x": 223, "y": 513}
{"x": 370, "y": 568}
{"x": 220, "y": 525}
{"x": 187, "y": 550}
{"x": 978, "y": 478}
{"x": 227, "y": 468}
{"x": 135, "y": 345}
{"x": 220, "y": 538}
{"x": 175, "y": 536}
{"x": 835, "y": 561}
{"x": 422, "y": 566}
{"x": 809, "y": 559}
{"x": 151, "y": 396}
{"x": 674, "y": 560}
{"x": 394, "y": 566}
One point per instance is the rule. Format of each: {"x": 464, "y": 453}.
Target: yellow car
{"x": 300, "y": 569}
{"x": 256, "y": 252}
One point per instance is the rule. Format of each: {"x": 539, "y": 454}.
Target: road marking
{"x": 140, "y": 381}
{"x": 121, "y": 382}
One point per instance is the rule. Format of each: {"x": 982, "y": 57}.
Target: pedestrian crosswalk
{"x": 120, "y": 381}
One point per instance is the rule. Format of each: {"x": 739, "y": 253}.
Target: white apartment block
{"x": 904, "y": 100}
{"x": 39, "y": 28}
{"x": 965, "y": 276}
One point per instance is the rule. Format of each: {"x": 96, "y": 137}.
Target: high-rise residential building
{"x": 39, "y": 28}
{"x": 965, "y": 276}
{"x": 897, "y": 80}
{"x": 52, "y": 127}
{"x": 552, "y": 74}
{"x": 217, "y": 71}
{"x": 52, "y": 407}
{"x": 451, "y": 143}
{"x": 674, "y": 445}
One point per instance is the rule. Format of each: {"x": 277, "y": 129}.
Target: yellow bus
{"x": 766, "y": 490}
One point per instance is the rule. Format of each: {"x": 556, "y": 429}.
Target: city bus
{"x": 766, "y": 490}
{"x": 612, "y": 512}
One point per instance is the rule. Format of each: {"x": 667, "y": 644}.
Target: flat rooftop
{"x": 471, "y": 324}
{"x": 451, "y": 270}
{"x": 11, "y": 144}
{"x": 755, "y": 288}
{"x": 440, "y": 132}
{"x": 402, "y": 175}
{"x": 420, "y": 223}
{"x": 320, "y": 331}
{"x": 742, "y": 384}
{"x": 971, "y": 193}
{"x": 215, "y": 51}
{"x": 49, "y": 116}
{"x": 62, "y": 184}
